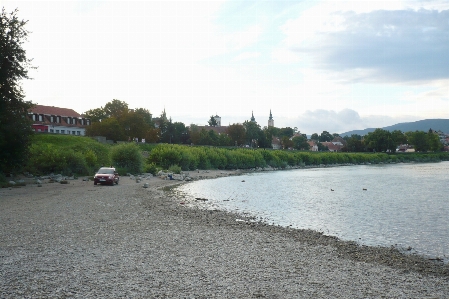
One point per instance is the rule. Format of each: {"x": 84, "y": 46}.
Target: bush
{"x": 151, "y": 168}
{"x": 127, "y": 157}
{"x": 175, "y": 169}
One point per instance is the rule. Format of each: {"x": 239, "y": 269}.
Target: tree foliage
{"x": 15, "y": 126}
{"x": 237, "y": 134}
{"x": 212, "y": 121}
{"x": 380, "y": 141}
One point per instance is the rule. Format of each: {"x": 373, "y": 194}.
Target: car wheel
{"x": 95, "y": 183}
{"x": 116, "y": 182}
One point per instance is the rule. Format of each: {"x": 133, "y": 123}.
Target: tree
{"x": 286, "y": 142}
{"x": 353, "y": 144}
{"x": 315, "y": 137}
{"x": 15, "y": 126}
{"x": 287, "y": 132}
{"x": 116, "y": 108}
{"x": 398, "y": 137}
{"x": 146, "y": 115}
{"x": 134, "y": 125}
{"x": 379, "y": 141}
{"x": 300, "y": 142}
{"x": 252, "y": 132}
{"x": 212, "y": 122}
{"x": 194, "y": 134}
{"x": 325, "y": 137}
{"x": 96, "y": 115}
{"x": 109, "y": 128}
{"x": 237, "y": 134}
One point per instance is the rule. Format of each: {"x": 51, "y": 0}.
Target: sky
{"x": 318, "y": 66}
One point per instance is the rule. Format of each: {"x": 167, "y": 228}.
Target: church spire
{"x": 270, "y": 120}
{"x": 252, "y": 116}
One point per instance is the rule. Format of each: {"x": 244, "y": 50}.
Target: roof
{"x": 51, "y": 110}
{"x": 218, "y": 130}
{"x": 331, "y": 146}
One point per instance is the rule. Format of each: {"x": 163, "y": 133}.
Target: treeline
{"x": 385, "y": 141}
{"x": 117, "y": 122}
{"x": 72, "y": 155}
{"x": 190, "y": 158}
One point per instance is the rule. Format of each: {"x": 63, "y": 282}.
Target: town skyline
{"x": 318, "y": 65}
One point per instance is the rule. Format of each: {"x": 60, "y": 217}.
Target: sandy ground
{"x": 125, "y": 241}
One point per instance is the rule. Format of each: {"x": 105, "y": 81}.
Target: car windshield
{"x": 106, "y": 171}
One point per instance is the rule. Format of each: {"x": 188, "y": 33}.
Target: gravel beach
{"x": 125, "y": 241}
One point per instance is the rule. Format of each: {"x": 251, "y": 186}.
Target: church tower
{"x": 270, "y": 120}
{"x": 252, "y": 117}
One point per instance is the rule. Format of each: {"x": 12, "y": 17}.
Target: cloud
{"x": 385, "y": 46}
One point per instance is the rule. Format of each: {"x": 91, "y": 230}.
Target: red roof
{"x": 51, "y": 110}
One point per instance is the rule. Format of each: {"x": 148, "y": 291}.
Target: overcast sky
{"x": 318, "y": 65}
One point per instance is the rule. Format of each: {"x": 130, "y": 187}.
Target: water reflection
{"x": 403, "y": 205}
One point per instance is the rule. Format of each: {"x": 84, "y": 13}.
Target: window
{"x": 62, "y": 131}
{"x": 33, "y": 116}
{"x": 52, "y": 119}
{"x": 88, "y": 122}
{"x": 58, "y": 119}
{"x": 81, "y": 121}
{"x": 38, "y": 130}
{"x": 40, "y": 117}
{"x": 52, "y": 131}
{"x": 57, "y": 131}
{"x": 78, "y": 133}
{"x": 73, "y": 132}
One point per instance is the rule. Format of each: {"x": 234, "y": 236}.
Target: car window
{"x": 106, "y": 171}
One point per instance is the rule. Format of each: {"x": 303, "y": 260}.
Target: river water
{"x": 401, "y": 205}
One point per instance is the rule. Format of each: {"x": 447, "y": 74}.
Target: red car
{"x": 106, "y": 175}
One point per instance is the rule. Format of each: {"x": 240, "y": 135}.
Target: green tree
{"x": 434, "y": 142}
{"x": 109, "y": 128}
{"x": 116, "y": 108}
{"x": 322, "y": 147}
{"x": 398, "y": 137}
{"x": 15, "y": 126}
{"x": 286, "y": 142}
{"x": 252, "y": 133}
{"x": 134, "y": 125}
{"x": 326, "y": 137}
{"x": 315, "y": 137}
{"x": 353, "y": 144}
{"x": 212, "y": 122}
{"x": 300, "y": 142}
{"x": 379, "y": 141}
{"x": 96, "y": 115}
{"x": 146, "y": 115}
{"x": 237, "y": 134}
{"x": 285, "y": 132}
{"x": 194, "y": 133}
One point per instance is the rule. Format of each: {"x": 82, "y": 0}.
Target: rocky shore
{"x": 77, "y": 240}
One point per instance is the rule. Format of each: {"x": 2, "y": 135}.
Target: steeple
{"x": 270, "y": 120}
{"x": 252, "y": 117}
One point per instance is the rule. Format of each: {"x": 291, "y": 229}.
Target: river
{"x": 401, "y": 205}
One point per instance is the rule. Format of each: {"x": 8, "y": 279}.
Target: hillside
{"x": 420, "y": 125}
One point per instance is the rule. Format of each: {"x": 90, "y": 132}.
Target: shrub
{"x": 175, "y": 169}
{"x": 151, "y": 168}
{"x": 127, "y": 157}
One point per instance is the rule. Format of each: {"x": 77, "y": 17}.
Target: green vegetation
{"x": 127, "y": 157}
{"x": 75, "y": 155}
{"x": 191, "y": 158}
{"x": 15, "y": 126}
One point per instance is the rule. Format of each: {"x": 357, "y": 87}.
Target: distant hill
{"x": 420, "y": 125}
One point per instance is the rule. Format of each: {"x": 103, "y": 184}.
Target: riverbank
{"x": 79, "y": 240}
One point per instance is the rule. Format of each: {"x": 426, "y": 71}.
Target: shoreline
{"x": 79, "y": 240}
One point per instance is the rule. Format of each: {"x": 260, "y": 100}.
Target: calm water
{"x": 404, "y": 205}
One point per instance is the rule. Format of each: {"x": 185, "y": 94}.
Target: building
{"x": 270, "y": 120}
{"x": 58, "y": 120}
{"x": 252, "y": 117}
